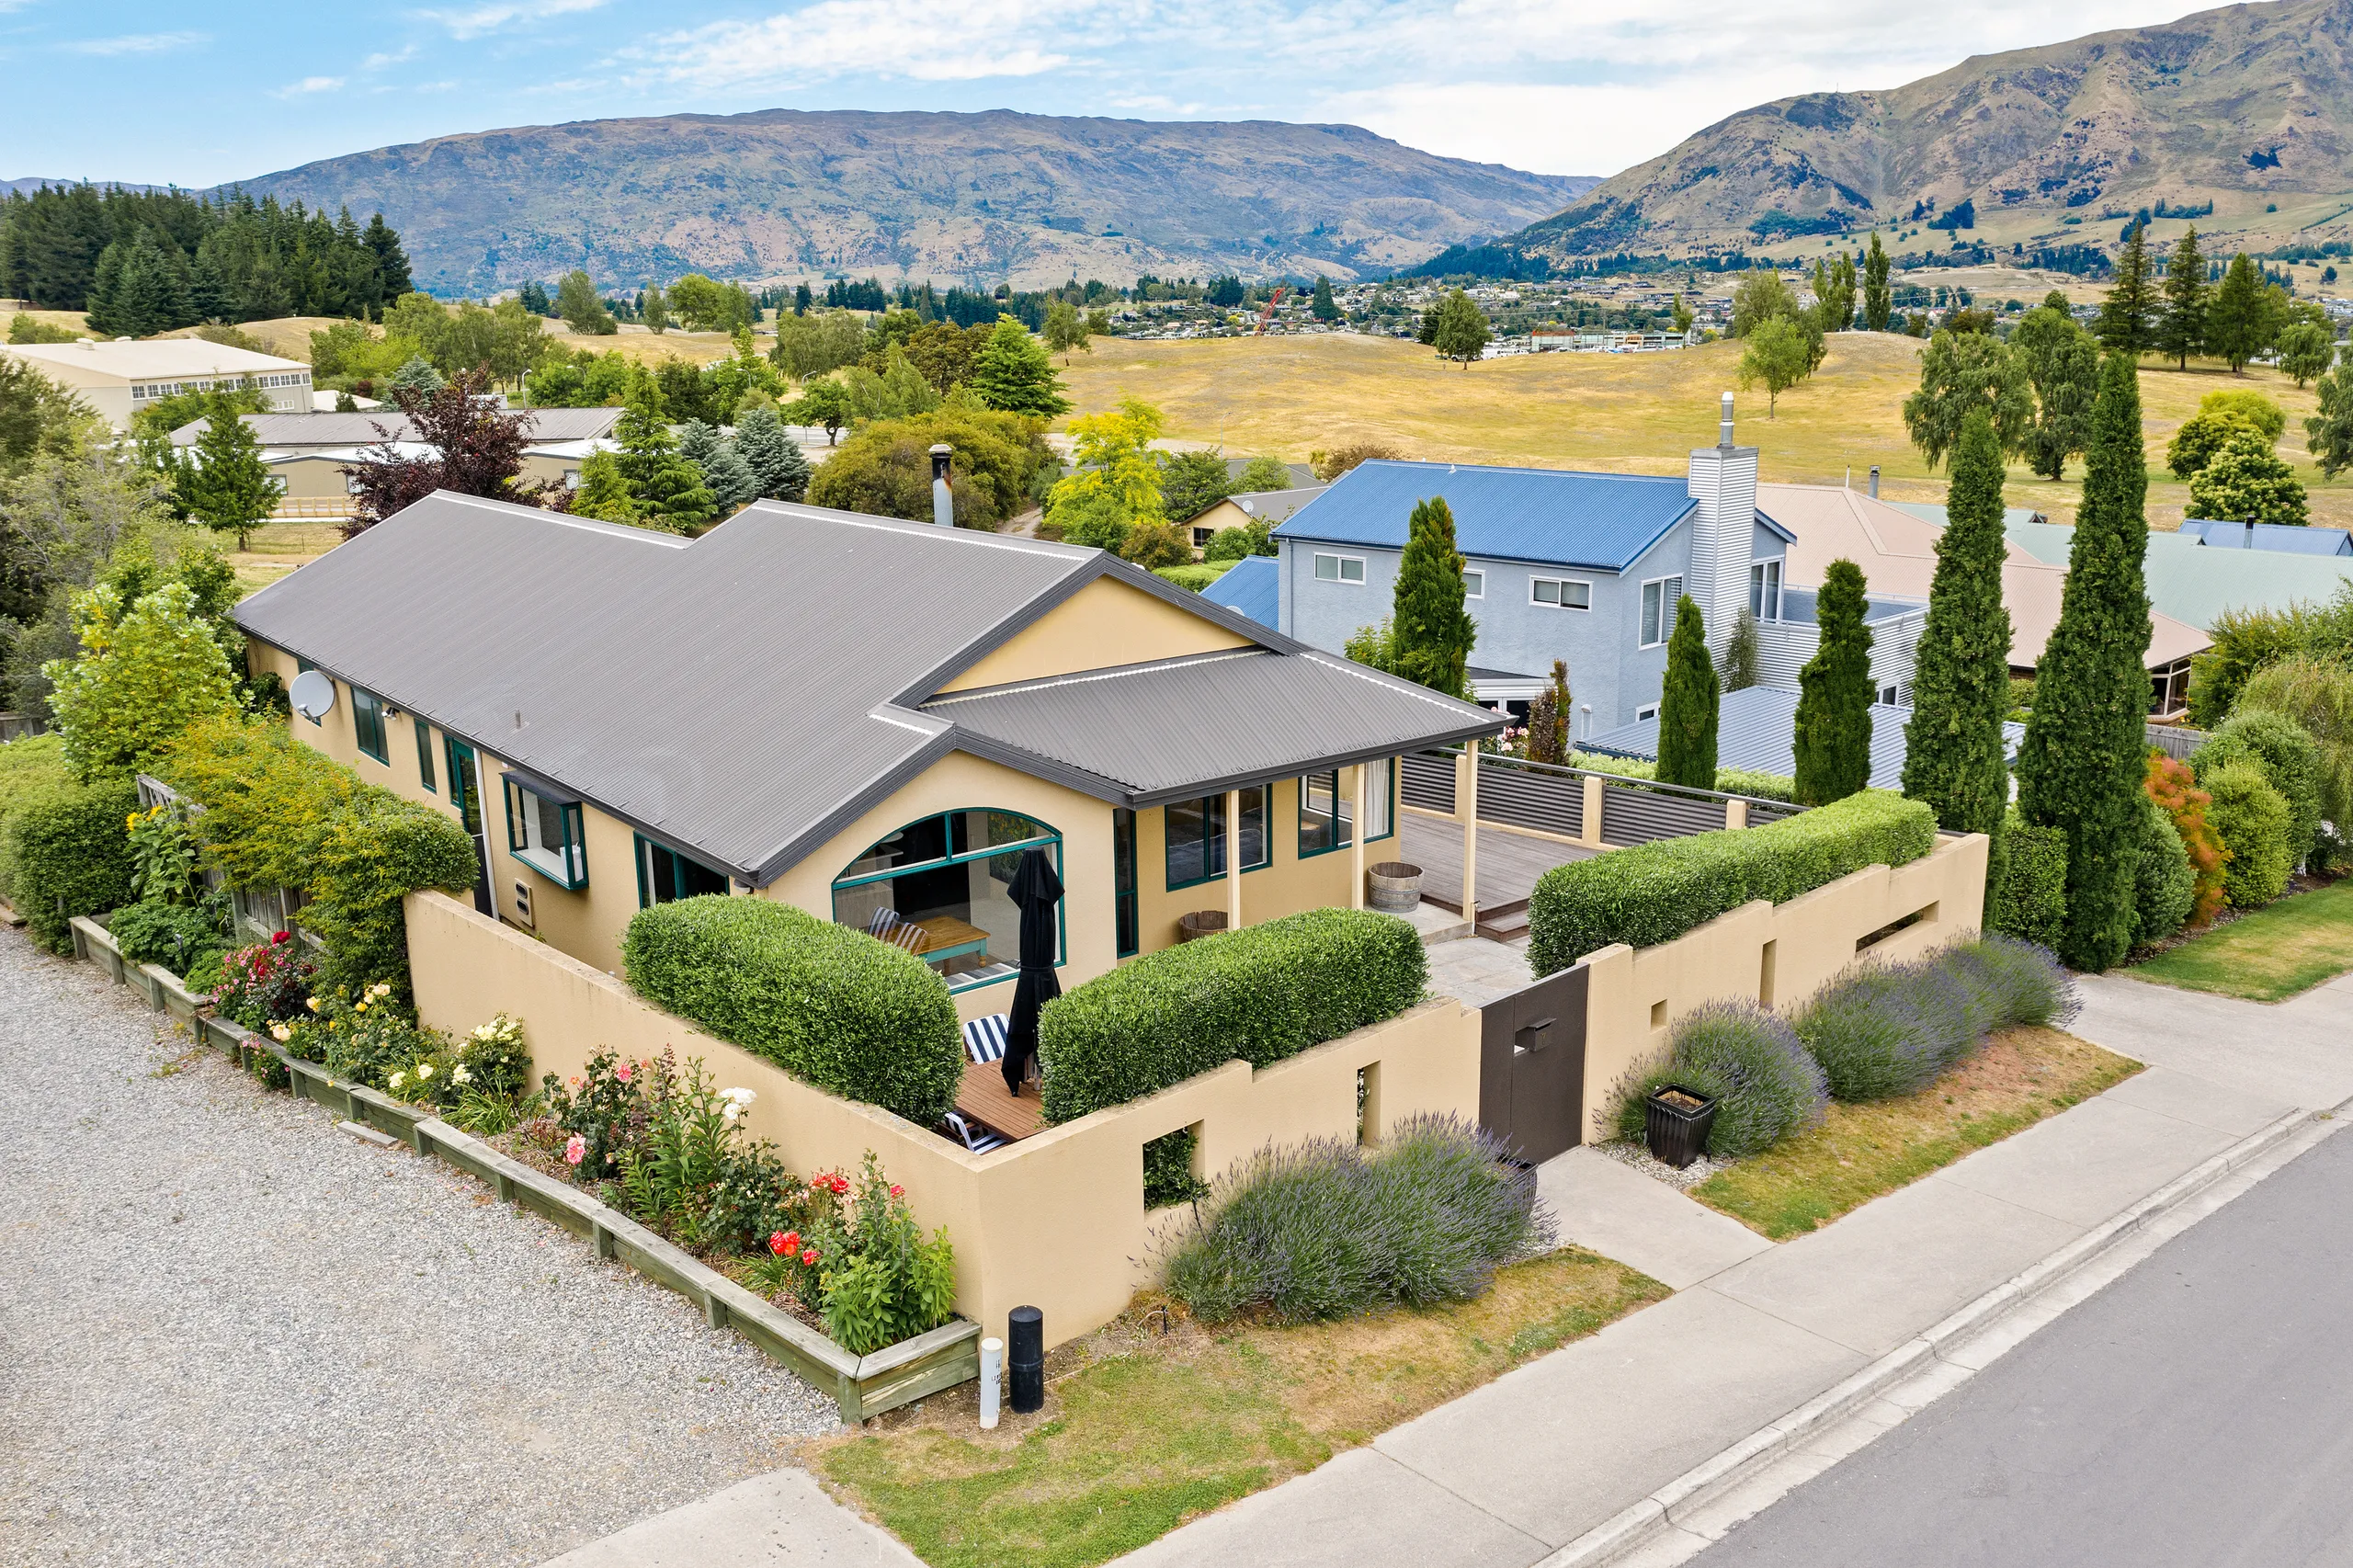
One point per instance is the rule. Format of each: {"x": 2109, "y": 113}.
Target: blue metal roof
{"x": 1252, "y": 586}
{"x": 2288, "y": 539}
{"x": 1603, "y": 521}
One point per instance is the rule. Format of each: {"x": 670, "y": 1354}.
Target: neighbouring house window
{"x": 368, "y": 725}
{"x": 1197, "y": 836}
{"x": 303, "y": 668}
{"x": 665, "y": 876}
{"x": 1889, "y": 695}
{"x": 1659, "y": 596}
{"x": 1561, "y": 593}
{"x": 1380, "y": 798}
{"x": 1647, "y": 711}
{"x": 423, "y": 751}
{"x": 1123, "y": 882}
{"x": 543, "y": 830}
{"x": 1765, "y": 590}
{"x": 1323, "y": 815}
{"x": 938, "y": 888}
{"x": 1339, "y": 568}
{"x": 1475, "y": 584}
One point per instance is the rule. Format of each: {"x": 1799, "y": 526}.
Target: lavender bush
{"x": 1880, "y": 1030}
{"x": 1325, "y": 1228}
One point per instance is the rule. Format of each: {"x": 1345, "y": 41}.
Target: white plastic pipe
{"x": 991, "y": 1374}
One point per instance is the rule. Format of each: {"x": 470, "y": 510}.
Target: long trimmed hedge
{"x": 1259, "y": 994}
{"x": 71, "y": 854}
{"x": 830, "y": 1005}
{"x": 1655, "y": 892}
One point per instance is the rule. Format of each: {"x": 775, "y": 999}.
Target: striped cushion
{"x": 885, "y": 921}
{"x": 979, "y": 1141}
{"x": 984, "y": 1038}
{"x": 910, "y": 935}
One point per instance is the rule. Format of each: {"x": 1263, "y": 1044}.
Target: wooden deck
{"x": 982, "y": 1098}
{"x": 1509, "y": 863}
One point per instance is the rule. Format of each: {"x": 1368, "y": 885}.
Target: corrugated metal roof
{"x": 1251, "y": 587}
{"x": 1176, "y": 728}
{"x": 1605, "y": 521}
{"x": 743, "y": 696}
{"x": 1274, "y": 506}
{"x": 1757, "y": 731}
{"x": 2286, "y": 538}
{"x": 359, "y": 429}
{"x": 2195, "y": 584}
{"x": 1934, "y": 512}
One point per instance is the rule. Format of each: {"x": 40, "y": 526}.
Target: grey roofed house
{"x": 1301, "y": 475}
{"x": 295, "y": 432}
{"x": 1756, "y": 732}
{"x": 747, "y": 694}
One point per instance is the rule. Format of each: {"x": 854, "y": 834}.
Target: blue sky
{"x": 196, "y": 95}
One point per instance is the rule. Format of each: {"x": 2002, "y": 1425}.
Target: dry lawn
{"x": 1864, "y": 1151}
{"x": 1634, "y": 414}
{"x": 2268, "y": 955}
{"x": 1143, "y": 1429}
{"x": 275, "y": 549}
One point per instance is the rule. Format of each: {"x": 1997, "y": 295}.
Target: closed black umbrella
{"x": 1036, "y": 890}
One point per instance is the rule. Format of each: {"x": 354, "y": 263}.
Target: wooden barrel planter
{"x": 1393, "y": 886}
{"x": 1200, "y": 923}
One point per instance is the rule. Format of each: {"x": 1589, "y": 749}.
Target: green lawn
{"x": 2271, "y": 955}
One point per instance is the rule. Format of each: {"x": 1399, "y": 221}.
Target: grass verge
{"x": 1863, "y": 1151}
{"x": 2268, "y": 956}
{"x": 1142, "y": 1430}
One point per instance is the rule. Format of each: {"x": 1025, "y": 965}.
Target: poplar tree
{"x": 1687, "y": 708}
{"x": 1952, "y": 747}
{"x": 2183, "y": 332}
{"x": 2128, "y": 316}
{"x": 1878, "y": 299}
{"x": 1434, "y": 632}
{"x": 2081, "y": 767}
{"x": 1833, "y": 720}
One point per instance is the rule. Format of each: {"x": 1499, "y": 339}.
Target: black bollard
{"x": 1025, "y": 1357}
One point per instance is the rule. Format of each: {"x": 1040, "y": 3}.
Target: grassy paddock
{"x": 2269, "y": 955}
{"x": 1864, "y": 1151}
{"x": 1142, "y": 1430}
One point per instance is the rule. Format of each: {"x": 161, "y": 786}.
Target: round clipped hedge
{"x": 1260, "y": 994}
{"x": 830, "y": 1005}
{"x": 2287, "y": 756}
{"x": 2254, "y": 820}
{"x": 1655, "y": 892}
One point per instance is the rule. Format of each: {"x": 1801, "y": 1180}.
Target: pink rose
{"x": 624, "y": 1072}
{"x": 898, "y": 1192}
{"x": 575, "y": 1148}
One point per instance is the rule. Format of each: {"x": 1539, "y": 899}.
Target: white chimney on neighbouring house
{"x": 1724, "y": 530}
{"x": 943, "y": 499}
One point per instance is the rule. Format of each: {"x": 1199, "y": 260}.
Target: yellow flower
{"x": 361, "y": 1008}
{"x": 130, "y": 821}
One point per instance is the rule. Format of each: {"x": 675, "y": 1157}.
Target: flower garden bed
{"x": 863, "y": 1386}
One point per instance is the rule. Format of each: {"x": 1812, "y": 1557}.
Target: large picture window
{"x": 1196, "y": 831}
{"x": 543, "y": 830}
{"x": 937, "y": 886}
{"x": 665, "y": 876}
{"x": 368, "y": 725}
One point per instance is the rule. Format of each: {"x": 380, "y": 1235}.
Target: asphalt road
{"x": 2199, "y": 1411}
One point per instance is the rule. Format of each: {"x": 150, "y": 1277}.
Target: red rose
{"x": 809, "y": 1258}
{"x": 898, "y": 1192}
{"x": 281, "y": 936}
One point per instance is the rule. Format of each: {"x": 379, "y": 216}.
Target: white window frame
{"x": 1664, "y": 625}
{"x": 1765, "y": 587}
{"x": 1563, "y": 584}
{"x": 1340, "y": 565}
{"x": 1474, "y": 583}
{"x": 1647, "y": 711}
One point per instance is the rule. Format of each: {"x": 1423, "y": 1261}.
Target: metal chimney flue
{"x": 943, "y": 499}
{"x": 1875, "y": 482}
{"x": 1724, "y": 426}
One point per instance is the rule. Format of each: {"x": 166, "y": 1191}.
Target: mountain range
{"x": 2248, "y": 107}
{"x": 971, "y": 199}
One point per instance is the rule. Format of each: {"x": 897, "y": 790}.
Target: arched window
{"x": 937, "y": 886}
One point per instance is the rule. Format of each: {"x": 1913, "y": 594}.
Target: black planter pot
{"x": 1678, "y": 1134}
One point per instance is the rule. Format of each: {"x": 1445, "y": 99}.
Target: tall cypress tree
{"x": 2081, "y": 767}
{"x": 1687, "y": 710}
{"x": 2128, "y": 316}
{"x": 2183, "y": 332}
{"x": 1952, "y": 747}
{"x": 1433, "y": 631}
{"x": 1835, "y": 692}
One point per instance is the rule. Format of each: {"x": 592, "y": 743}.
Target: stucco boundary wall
{"x": 1775, "y": 955}
{"x": 1056, "y": 1221}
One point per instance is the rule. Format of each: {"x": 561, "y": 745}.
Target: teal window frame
{"x": 565, "y": 863}
{"x": 1341, "y": 817}
{"x": 648, "y": 850}
{"x": 1048, "y": 837}
{"x": 1389, "y": 765}
{"x": 423, "y": 754}
{"x": 1213, "y": 810}
{"x": 368, "y": 725}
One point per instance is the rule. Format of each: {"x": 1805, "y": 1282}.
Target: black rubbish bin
{"x": 1025, "y": 1357}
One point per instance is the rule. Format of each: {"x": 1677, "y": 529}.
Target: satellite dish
{"x": 313, "y": 695}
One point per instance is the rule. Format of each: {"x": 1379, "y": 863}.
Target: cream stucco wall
{"x": 1291, "y": 884}
{"x": 1106, "y": 623}
{"x": 1056, "y": 1221}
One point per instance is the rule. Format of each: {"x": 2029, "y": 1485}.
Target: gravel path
{"x": 231, "y": 1334}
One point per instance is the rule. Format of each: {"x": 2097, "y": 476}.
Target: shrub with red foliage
{"x": 2174, "y": 786}
{"x": 478, "y": 450}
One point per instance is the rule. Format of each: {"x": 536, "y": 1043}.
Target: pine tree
{"x": 1322, "y": 307}
{"x": 1952, "y": 747}
{"x": 392, "y": 262}
{"x": 604, "y": 492}
{"x": 230, "y": 489}
{"x": 104, "y": 310}
{"x": 667, "y": 489}
{"x": 1834, "y": 719}
{"x": 1687, "y": 706}
{"x": 731, "y": 482}
{"x": 1434, "y": 632}
{"x": 207, "y": 295}
{"x": 2128, "y": 316}
{"x": 2183, "y": 330}
{"x": 1012, "y": 374}
{"x": 2080, "y": 770}
{"x": 2238, "y": 324}
{"x": 774, "y": 458}
{"x": 1877, "y": 298}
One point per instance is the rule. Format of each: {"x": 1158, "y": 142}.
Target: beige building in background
{"x": 118, "y": 379}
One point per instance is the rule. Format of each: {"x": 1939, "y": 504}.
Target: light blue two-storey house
{"x": 1583, "y": 567}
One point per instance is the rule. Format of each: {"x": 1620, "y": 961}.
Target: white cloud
{"x": 138, "y": 43}
{"x": 309, "y": 84}
{"x": 956, "y": 40}
{"x": 475, "y": 20}
{"x": 378, "y": 62}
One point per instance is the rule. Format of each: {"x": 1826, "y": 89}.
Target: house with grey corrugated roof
{"x": 866, "y": 718}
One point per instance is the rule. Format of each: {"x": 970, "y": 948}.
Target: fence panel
{"x": 2175, "y": 740}
{"x": 1631, "y": 814}
{"x": 1547, "y": 802}
{"x": 1427, "y": 780}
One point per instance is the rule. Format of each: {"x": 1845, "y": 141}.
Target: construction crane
{"x": 1269, "y": 313}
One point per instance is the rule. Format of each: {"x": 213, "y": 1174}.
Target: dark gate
{"x": 1531, "y": 1066}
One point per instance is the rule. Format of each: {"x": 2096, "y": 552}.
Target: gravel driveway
{"x": 231, "y": 1334}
